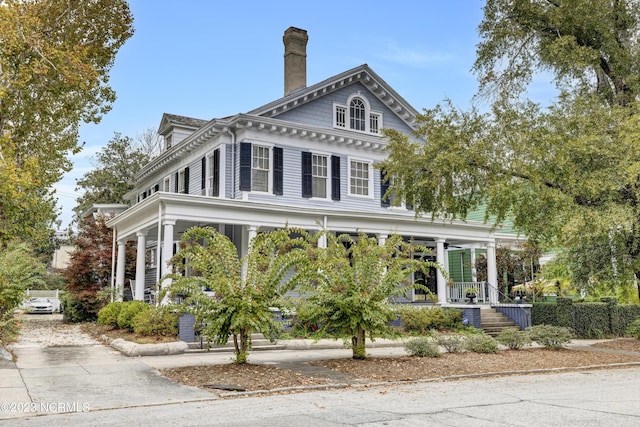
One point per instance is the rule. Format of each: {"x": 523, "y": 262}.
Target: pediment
{"x": 362, "y": 74}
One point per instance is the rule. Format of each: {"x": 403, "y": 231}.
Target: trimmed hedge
{"x": 586, "y": 319}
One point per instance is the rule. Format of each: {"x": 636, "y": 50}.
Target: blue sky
{"x": 208, "y": 59}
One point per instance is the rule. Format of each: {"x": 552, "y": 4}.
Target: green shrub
{"x": 77, "y": 311}
{"x": 453, "y": 343}
{"x": 481, "y": 343}
{"x": 129, "y": 310}
{"x": 108, "y": 315}
{"x": 422, "y": 347}
{"x": 514, "y": 338}
{"x": 549, "y": 336}
{"x": 634, "y": 329}
{"x": 421, "y": 320}
{"x": 156, "y": 321}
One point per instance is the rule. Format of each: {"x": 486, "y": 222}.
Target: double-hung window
{"x": 320, "y": 175}
{"x": 360, "y": 178}
{"x": 260, "y": 168}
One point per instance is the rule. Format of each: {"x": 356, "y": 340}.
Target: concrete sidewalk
{"x": 94, "y": 376}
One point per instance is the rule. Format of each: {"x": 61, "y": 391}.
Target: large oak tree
{"x": 566, "y": 174}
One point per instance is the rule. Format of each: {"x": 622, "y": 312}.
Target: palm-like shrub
{"x": 245, "y": 289}
{"x": 355, "y": 282}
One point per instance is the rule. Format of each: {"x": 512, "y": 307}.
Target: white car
{"x": 40, "y": 305}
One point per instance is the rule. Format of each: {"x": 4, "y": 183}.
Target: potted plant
{"x": 471, "y": 294}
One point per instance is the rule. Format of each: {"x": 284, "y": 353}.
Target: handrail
{"x": 523, "y": 316}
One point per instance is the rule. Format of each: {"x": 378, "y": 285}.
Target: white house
{"x": 307, "y": 160}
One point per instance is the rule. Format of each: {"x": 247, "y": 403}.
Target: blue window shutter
{"x": 215, "y": 191}
{"x": 384, "y": 186}
{"x": 186, "y": 180}
{"x": 278, "y": 171}
{"x": 203, "y": 173}
{"x": 307, "y": 177}
{"x": 156, "y": 188}
{"x": 245, "y": 166}
{"x": 176, "y": 182}
{"x": 335, "y": 178}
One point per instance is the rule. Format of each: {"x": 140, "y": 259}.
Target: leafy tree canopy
{"x": 565, "y": 174}
{"x": 113, "y": 175}
{"x": 55, "y": 58}
{"x": 587, "y": 45}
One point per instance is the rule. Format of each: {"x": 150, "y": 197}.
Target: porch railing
{"x": 456, "y": 292}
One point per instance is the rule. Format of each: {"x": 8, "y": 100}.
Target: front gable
{"x": 338, "y": 89}
{"x": 325, "y": 112}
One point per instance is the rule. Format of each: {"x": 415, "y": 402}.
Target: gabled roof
{"x": 362, "y": 74}
{"x": 180, "y": 121}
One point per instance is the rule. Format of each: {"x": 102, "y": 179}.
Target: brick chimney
{"x": 295, "y": 59}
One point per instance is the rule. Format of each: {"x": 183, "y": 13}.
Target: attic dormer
{"x": 173, "y": 129}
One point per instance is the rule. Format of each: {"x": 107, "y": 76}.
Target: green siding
{"x": 460, "y": 264}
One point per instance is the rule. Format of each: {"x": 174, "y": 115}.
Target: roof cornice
{"x": 261, "y": 124}
{"x": 363, "y": 74}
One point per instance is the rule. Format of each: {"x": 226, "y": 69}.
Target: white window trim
{"x": 223, "y": 166}
{"x": 370, "y": 180}
{"x": 328, "y": 178}
{"x": 166, "y": 184}
{"x": 182, "y": 181}
{"x": 368, "y": 113}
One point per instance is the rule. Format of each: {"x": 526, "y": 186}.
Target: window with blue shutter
{"x": 335, "y": 178}
{"x": 385, "y": 202}
{"x": 278, "y": 171}
{"x": 215, "y": 187}
{"x": 307, "y": 181}
{"x": 203, "y": 173}
{"x": 245, "y": 166}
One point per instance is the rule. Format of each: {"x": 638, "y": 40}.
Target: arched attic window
{"x": 357, "y": 115}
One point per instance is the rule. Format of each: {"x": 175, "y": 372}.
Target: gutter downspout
{"x": 233, "y": 162}
{"x": 113, "y": 265}
{"x": 158, "y": 254}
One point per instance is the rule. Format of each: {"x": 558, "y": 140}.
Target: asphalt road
{"x": 91, "y": 384}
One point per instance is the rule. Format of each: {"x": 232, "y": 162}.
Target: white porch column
{"x": 492, "y": 272}
{"x": 249, "y": 232}
{"x": 165, "y": 265}
{"x": 120, "y": 267}
{"x": 140, "y": 265}
{"x": 167, "y": 250}
{"x": 440, "y": 280}
{"x": 322, "y": 241}
{"x": 382, "y": 239}
{"x": 474, "y": 274}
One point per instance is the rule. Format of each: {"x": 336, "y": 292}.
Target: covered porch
{"x": 157, "y": 223}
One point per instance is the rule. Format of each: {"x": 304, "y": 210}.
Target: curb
{"x": 132, "y": 349}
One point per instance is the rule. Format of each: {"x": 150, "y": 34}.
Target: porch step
{"x": 258, "y": 343}
{"x": 493, "y": 322}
